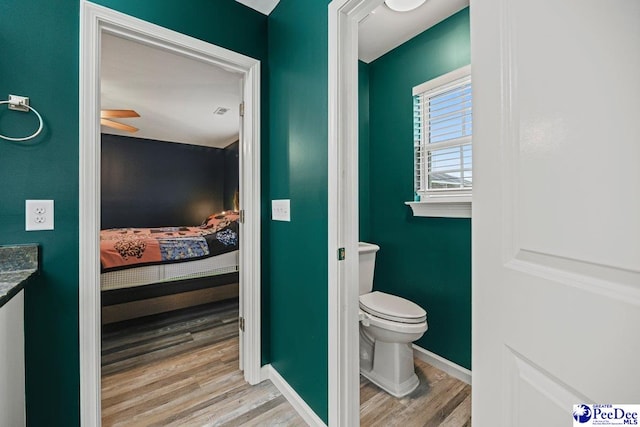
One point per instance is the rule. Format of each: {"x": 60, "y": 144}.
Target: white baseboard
{"x": 305, "y": 411}
{"x": 456, "y": 371}
{"x": 265, "y": 372}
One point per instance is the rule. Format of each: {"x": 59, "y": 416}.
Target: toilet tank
{"x": 367, "y": 260}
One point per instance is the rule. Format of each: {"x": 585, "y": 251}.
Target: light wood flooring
{"x": 439, "y": 400}
{"x": 182, "y": 370}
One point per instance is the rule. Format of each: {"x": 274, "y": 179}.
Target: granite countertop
{"x": 18, "y": 264}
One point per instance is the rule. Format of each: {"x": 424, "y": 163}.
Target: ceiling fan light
{"x": 403, "y": 5}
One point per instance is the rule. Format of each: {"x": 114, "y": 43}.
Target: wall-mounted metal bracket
{"x": 19, "y": 103}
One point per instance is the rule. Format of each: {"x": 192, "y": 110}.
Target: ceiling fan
{"x": 106, "y": 115}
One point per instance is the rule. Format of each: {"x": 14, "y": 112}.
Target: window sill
{"x": 441, "y": 209}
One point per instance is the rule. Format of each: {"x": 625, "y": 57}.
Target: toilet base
{"x": 396, "y": 390}
{"x": 388, "y": 365}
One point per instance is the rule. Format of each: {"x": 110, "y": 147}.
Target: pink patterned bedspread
{"x": 133, "y": 247}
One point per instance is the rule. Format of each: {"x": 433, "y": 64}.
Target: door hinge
{"x": 242, "y": 109}
{"x": 341, "y": 254}
{"x": 241, "y": 323}
{"x": 241, "y": 219}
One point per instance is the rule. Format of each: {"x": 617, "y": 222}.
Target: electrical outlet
{"x": 280, "y": 210}
{"x": 38, "y": 215}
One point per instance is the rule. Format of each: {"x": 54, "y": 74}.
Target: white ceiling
{"x": 263, "y": 6}
{"x": 383, "y": 30}
{"x": 174, "y": 95}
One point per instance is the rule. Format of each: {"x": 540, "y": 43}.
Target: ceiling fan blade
{"x": 111, "y": 114}
{"x": 116, "y": 125}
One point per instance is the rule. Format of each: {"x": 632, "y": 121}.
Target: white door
{"x": 556, "y": 208}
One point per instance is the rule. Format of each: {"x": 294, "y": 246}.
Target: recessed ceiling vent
{"x": 221, "y": 111}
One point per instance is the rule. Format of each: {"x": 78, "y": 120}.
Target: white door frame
{"x": 344, "y": 360}
{"x": 94, "y": 21}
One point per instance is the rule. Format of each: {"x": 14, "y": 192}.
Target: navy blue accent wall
{"x": 147, "y": 183}
{"x": 231, "y": 175}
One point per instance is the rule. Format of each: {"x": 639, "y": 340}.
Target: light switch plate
{"x": 280, "y": 210}
{"x": 38, "y": 215}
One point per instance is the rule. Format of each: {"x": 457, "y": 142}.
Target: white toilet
{"x": 388, "y": 326}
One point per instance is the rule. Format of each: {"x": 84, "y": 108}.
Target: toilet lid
{"x": 391, "y": 307}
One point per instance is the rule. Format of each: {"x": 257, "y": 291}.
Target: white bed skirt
{"x": 146, "y": 275}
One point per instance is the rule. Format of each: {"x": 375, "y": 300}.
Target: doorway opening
{"x": 346, "y": 18}
{"x": 169, "y": 232}
{"x": 98, "y": 22}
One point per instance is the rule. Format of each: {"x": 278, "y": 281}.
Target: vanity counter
{"x": 18, "y": 263}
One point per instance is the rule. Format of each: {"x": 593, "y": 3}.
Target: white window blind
{"x": 442, "y": 135}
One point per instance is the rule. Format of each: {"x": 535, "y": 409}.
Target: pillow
{"x": 220, "y": 220}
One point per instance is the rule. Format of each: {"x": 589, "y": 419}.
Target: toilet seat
{"x": 392, "y": 308}
{"x": 368, "y": 320}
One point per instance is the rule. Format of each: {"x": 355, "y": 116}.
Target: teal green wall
{"x": 364, "y": 196}
{"x": 298, "y": 165}
{"x": 42, "y": 63}
{"x": 39, "y": 58}
{"x": 225, "y": 23}
{"x": 427, "y": 260}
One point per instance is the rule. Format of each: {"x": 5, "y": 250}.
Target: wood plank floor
{"x": 182, "y": 370}
{"x": 439, "y": 400}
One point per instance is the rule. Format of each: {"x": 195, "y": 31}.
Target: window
{"x": 442, "y": 141}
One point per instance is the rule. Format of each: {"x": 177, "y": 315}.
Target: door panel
{"x": 567, "y": 58}
{"x": 532, "y": 387}
{"x": 556, "y": 207}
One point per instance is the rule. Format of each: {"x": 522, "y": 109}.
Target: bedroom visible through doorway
{"x": 212, "y": 219}
{"x": 169, "y": 185}
{"x": 169, "y": 227}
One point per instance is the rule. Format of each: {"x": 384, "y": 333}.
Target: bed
{"x": 147, "y": 271}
